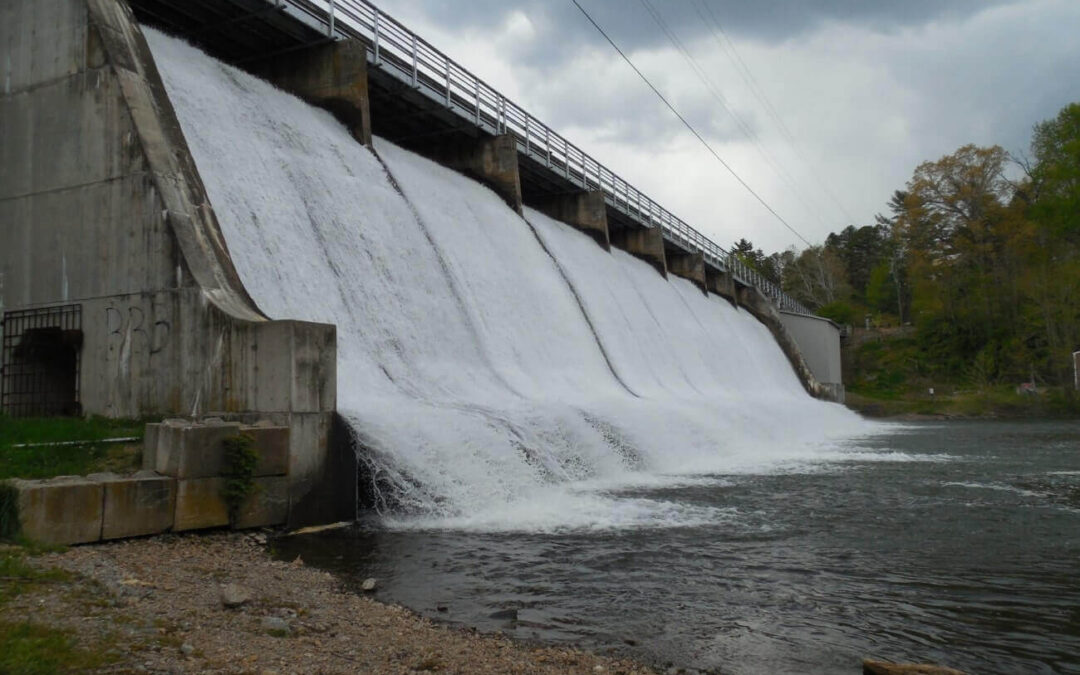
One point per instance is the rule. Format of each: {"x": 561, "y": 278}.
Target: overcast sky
{"x": 861, "y": 91}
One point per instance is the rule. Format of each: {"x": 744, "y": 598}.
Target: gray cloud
{"x": 867, "y": 89}
{"x": 561, "y": 25}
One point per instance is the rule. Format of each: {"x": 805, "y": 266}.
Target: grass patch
{"x": 18, "y": 577}
{"x": 32, "y": 649}
{"x": 1001, "y": 401}
{"x": 60, "y": 460}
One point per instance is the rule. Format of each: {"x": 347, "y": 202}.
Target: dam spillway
{"x": 497, "y": 371}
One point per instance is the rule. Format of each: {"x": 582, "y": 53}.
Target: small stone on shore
{"x": 368, "y": 585}
{"x": 274, "y": 624}
{"x": 234, "y": 595}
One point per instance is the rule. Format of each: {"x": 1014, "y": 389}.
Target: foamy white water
{"x": 501, "y": 373}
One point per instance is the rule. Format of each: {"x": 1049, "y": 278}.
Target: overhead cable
{"x": 689, "y": 126}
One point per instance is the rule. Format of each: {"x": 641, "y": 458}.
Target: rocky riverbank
{"x": 218, "y": 603}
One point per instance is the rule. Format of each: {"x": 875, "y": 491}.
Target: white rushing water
{"x": 501, "y": 373}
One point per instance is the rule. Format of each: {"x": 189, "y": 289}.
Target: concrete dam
{"x": 451, "y": 335}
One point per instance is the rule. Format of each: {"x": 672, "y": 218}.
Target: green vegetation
{"x": 241, "y": 458}
{"x": 31, "y": 649}
{"x": 27, "y": 647}
{"x": 975, "y": 268}
{"x": 58, "y": 460}
{"x": 20, "y": 577}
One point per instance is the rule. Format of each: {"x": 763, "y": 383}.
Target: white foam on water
{"x": 500, "y": 374}
{"x": 999, "y": 487}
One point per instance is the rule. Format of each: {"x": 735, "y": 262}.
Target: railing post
{"x": 476, "y": 93}
{"x": 415, "y": 70}
{"x": 330, "y": 25}
{"x": 547, "y": 144}
{"x": 447, "y": 83}
{"x": 528, "y": 137}
{"x": 376, "y": 40}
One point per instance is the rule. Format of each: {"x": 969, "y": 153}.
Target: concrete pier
{"x": 690, "y": 266}
{"x": 492, "y": 160}
{"x": 585, "y": 211}
{"x": 646, "y": 243}
{"x": 720, "y": 283}
{"x": 331, "y": 76}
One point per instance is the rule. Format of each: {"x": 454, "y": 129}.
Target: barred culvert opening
{"x": 41, "y": 360}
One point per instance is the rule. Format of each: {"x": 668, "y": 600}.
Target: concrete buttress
{"x": 332, "y": 76}
{"x": 720, "y": 283}
{"x": 585, "y": 211}
{"x": 492, "y": 160}
{"x": 644, "y": 243}
{"x": 690, "y": 266}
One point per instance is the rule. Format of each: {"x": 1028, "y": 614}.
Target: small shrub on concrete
{"x": 241, "y": 458}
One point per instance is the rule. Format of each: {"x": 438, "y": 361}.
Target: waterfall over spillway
{"x": 500, "y": 372}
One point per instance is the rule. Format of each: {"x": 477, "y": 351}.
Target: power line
{"x": 689, "y": 126}
{"x": 728, "y": 45}
{"x": 747, "y": 131}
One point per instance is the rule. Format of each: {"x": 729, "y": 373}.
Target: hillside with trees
{"x": 968, "y": 282}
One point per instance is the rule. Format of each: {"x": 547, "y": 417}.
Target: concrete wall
{"x": 765, "y": 311}
{"x": 819, "y": 342}
{"x": 101, "y": 205}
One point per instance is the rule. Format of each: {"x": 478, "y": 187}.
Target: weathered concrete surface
{"x": 585, "y": 211}
{"x": 720, "y": 283}
{"x": 272, "y": 444}
{"x": 819, "y": 342}
{"x": 765, "y": 312}
{"x": 184, "y": 449}
{"x": 331, "y": 76}
{"x": 102, "y": 207}
{"x": 647, "y": 244}
{"x": 63, "y": 510}
{"x": 137, "y": 505}
{"x": 268, "y": 507}
{"x": 199, "y": 504}
{"x": 690, "y": 266}
{"x": 492, "y": 160}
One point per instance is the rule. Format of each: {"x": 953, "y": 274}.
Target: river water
{"x": 955, "y": 542}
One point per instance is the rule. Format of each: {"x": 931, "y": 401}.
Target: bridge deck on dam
{"x": 419, "y": 98}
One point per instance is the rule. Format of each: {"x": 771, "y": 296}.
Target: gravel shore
{"x": 217, "y": 603}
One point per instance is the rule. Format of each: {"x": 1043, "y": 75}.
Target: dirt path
{"x": 156, "y": 605}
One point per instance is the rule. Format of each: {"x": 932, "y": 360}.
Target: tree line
{"x": 979, "y": 252}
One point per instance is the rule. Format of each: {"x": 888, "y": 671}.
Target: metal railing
{"x": 398, "y": 51}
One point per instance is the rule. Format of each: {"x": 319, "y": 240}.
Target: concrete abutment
{"x": 765, "y": 311}
{"x": 105, "y": 217}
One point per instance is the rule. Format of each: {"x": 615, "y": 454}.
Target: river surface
{"x": 956, "y": 543}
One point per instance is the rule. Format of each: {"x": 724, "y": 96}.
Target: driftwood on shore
{"x": 871, "y": 667}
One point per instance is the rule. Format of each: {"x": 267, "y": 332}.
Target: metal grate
{"x": 41, "y": 355}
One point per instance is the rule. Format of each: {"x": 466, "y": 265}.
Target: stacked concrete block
{"x": 194, "y": 454}
{"x": 136, "y": 505}
{"x": 61, "y": 510}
